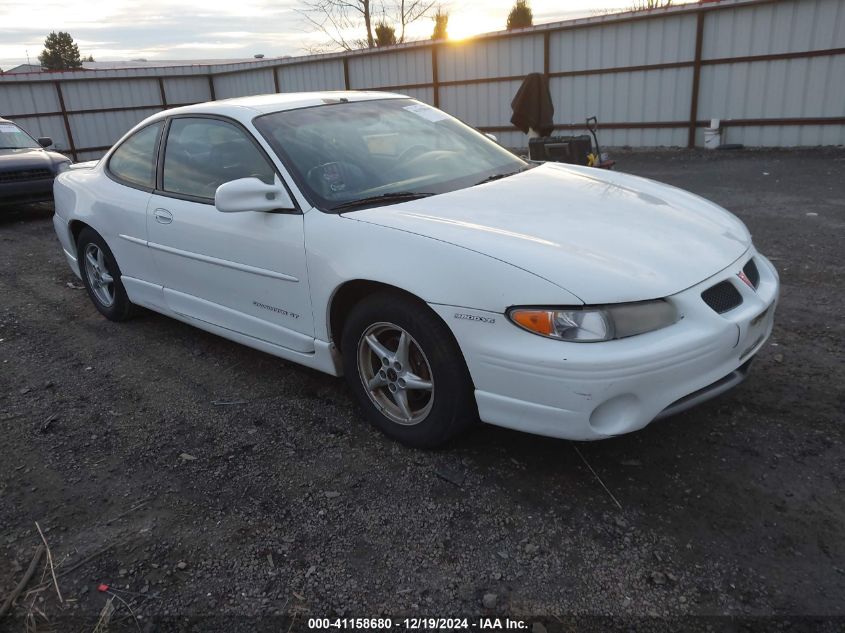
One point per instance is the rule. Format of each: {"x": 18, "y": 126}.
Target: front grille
{"x": 25, "y": 174}
{"x": 722, "y": 297}
{"x": 752, "y": 273}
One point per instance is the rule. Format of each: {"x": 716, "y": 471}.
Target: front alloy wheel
{"x": 395, "y": 373}
{"x": 406, "y": 370}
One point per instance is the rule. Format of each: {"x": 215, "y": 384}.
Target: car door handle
{"x": 163, "y": 216}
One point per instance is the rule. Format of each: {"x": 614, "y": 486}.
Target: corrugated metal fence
{"x": 773, "y": 71}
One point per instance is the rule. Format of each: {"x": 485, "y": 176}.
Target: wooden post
{"x": 162, "y": 93}
{"x": 211, "y": 87}
{"x": 696, "y": 79}
{"x": 435, "y": 81}
{"x": 546, "y": 62}
{"x": 346, "y": 73}
{"x": 68, "y": 131}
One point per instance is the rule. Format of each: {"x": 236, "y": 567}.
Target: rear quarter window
{"x": 133, "y": 163}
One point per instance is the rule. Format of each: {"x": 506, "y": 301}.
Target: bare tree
{"x": 350, "y": 24}
{"x": 645, "y": 5}
{"x": 410, "y": 11}
{"x": 337, "y": 19}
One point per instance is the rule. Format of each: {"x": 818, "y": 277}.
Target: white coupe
{"x": 371, "y": 235}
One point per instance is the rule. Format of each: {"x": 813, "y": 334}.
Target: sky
{"x": 122, "y": 30}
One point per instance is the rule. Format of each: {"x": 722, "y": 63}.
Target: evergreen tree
{"x": 385, "y": 34}
{"x": 60, "y": 52}
{"x": 520, "y": 15}
{"x": 441, "y": 24}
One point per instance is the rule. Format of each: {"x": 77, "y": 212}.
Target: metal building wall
{"x": 30, "y": 99}
{"x": 637, "y": 96}
{"x": 183, "y": 90}
{"x": 483, "y": 59}
{"x": 772, "y": 71}
{"x": 390, "y": 69}
{"x": 244, "y": 83}
{"x": 311, "y": 76}
{"x": 798, "y": 88}
{"x": 27, "y": 101}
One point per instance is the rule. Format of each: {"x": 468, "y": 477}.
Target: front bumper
{"x": 588, "y": 391}
{"x": 26, "y": 191}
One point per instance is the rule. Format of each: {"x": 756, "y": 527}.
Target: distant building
{"x": 135, "y": 63}
{"x": 24, "y": 68}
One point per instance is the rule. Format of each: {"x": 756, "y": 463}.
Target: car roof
{"x": 249, "y": 107}
{"x": 11, "y": 122}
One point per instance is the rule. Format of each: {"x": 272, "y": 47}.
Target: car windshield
{"x": 347, "y": 155}
{"x": 12, "y": 137}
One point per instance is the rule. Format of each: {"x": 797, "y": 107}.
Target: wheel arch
{"x": 348, "y": 295}
{"x": 76, "y": 227}
{"x": 351, "y": 292}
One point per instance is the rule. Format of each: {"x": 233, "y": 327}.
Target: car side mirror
{"x": 250, "y": 194}
{"x": 45, "y": 141}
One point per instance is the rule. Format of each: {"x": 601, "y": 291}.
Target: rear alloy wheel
{"x": 100, "y": 280}
{"x": 101, "y": 276}
{"x": 407, "y": 371}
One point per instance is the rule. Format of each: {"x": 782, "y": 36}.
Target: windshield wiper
{"x": 498, "y": 176}
{"x": 396, "y": 196}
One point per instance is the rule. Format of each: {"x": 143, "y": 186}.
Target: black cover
{"x": 532, "y": 106}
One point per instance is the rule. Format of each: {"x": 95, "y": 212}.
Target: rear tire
{"x": 407, "y": 371}
{"x": 101, "y": 276}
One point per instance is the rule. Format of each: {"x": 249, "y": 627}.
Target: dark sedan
{"x": 26, "y": 168}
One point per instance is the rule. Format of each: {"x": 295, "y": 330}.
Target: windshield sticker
{"x": 429, "y": 114}
{"x": 8, "y": 129}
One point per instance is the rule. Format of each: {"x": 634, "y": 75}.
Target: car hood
{"x": 26, "y": 158}
{"x": 605, "y": 237}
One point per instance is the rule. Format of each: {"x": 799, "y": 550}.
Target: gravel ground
{"x": 225, "y": 482}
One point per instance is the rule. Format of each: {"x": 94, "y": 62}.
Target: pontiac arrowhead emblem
{"x": 741, "y": 274}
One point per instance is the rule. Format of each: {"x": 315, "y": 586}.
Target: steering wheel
{"x": 334, "y": 177}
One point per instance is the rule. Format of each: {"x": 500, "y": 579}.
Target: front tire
{"x": 407, "y": 371}
{"x": 101, "y": 276}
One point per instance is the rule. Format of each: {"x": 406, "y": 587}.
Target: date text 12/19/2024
{"x": 418, "y": 624}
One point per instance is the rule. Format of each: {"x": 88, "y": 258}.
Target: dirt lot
{"x": 227, "y": 482}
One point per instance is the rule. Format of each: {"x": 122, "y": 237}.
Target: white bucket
{"x": 713, "y": 135}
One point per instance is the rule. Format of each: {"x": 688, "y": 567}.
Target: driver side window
{"x": 202, "y": 154}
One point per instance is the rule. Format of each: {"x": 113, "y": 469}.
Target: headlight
{"x": 599, "y": 323}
